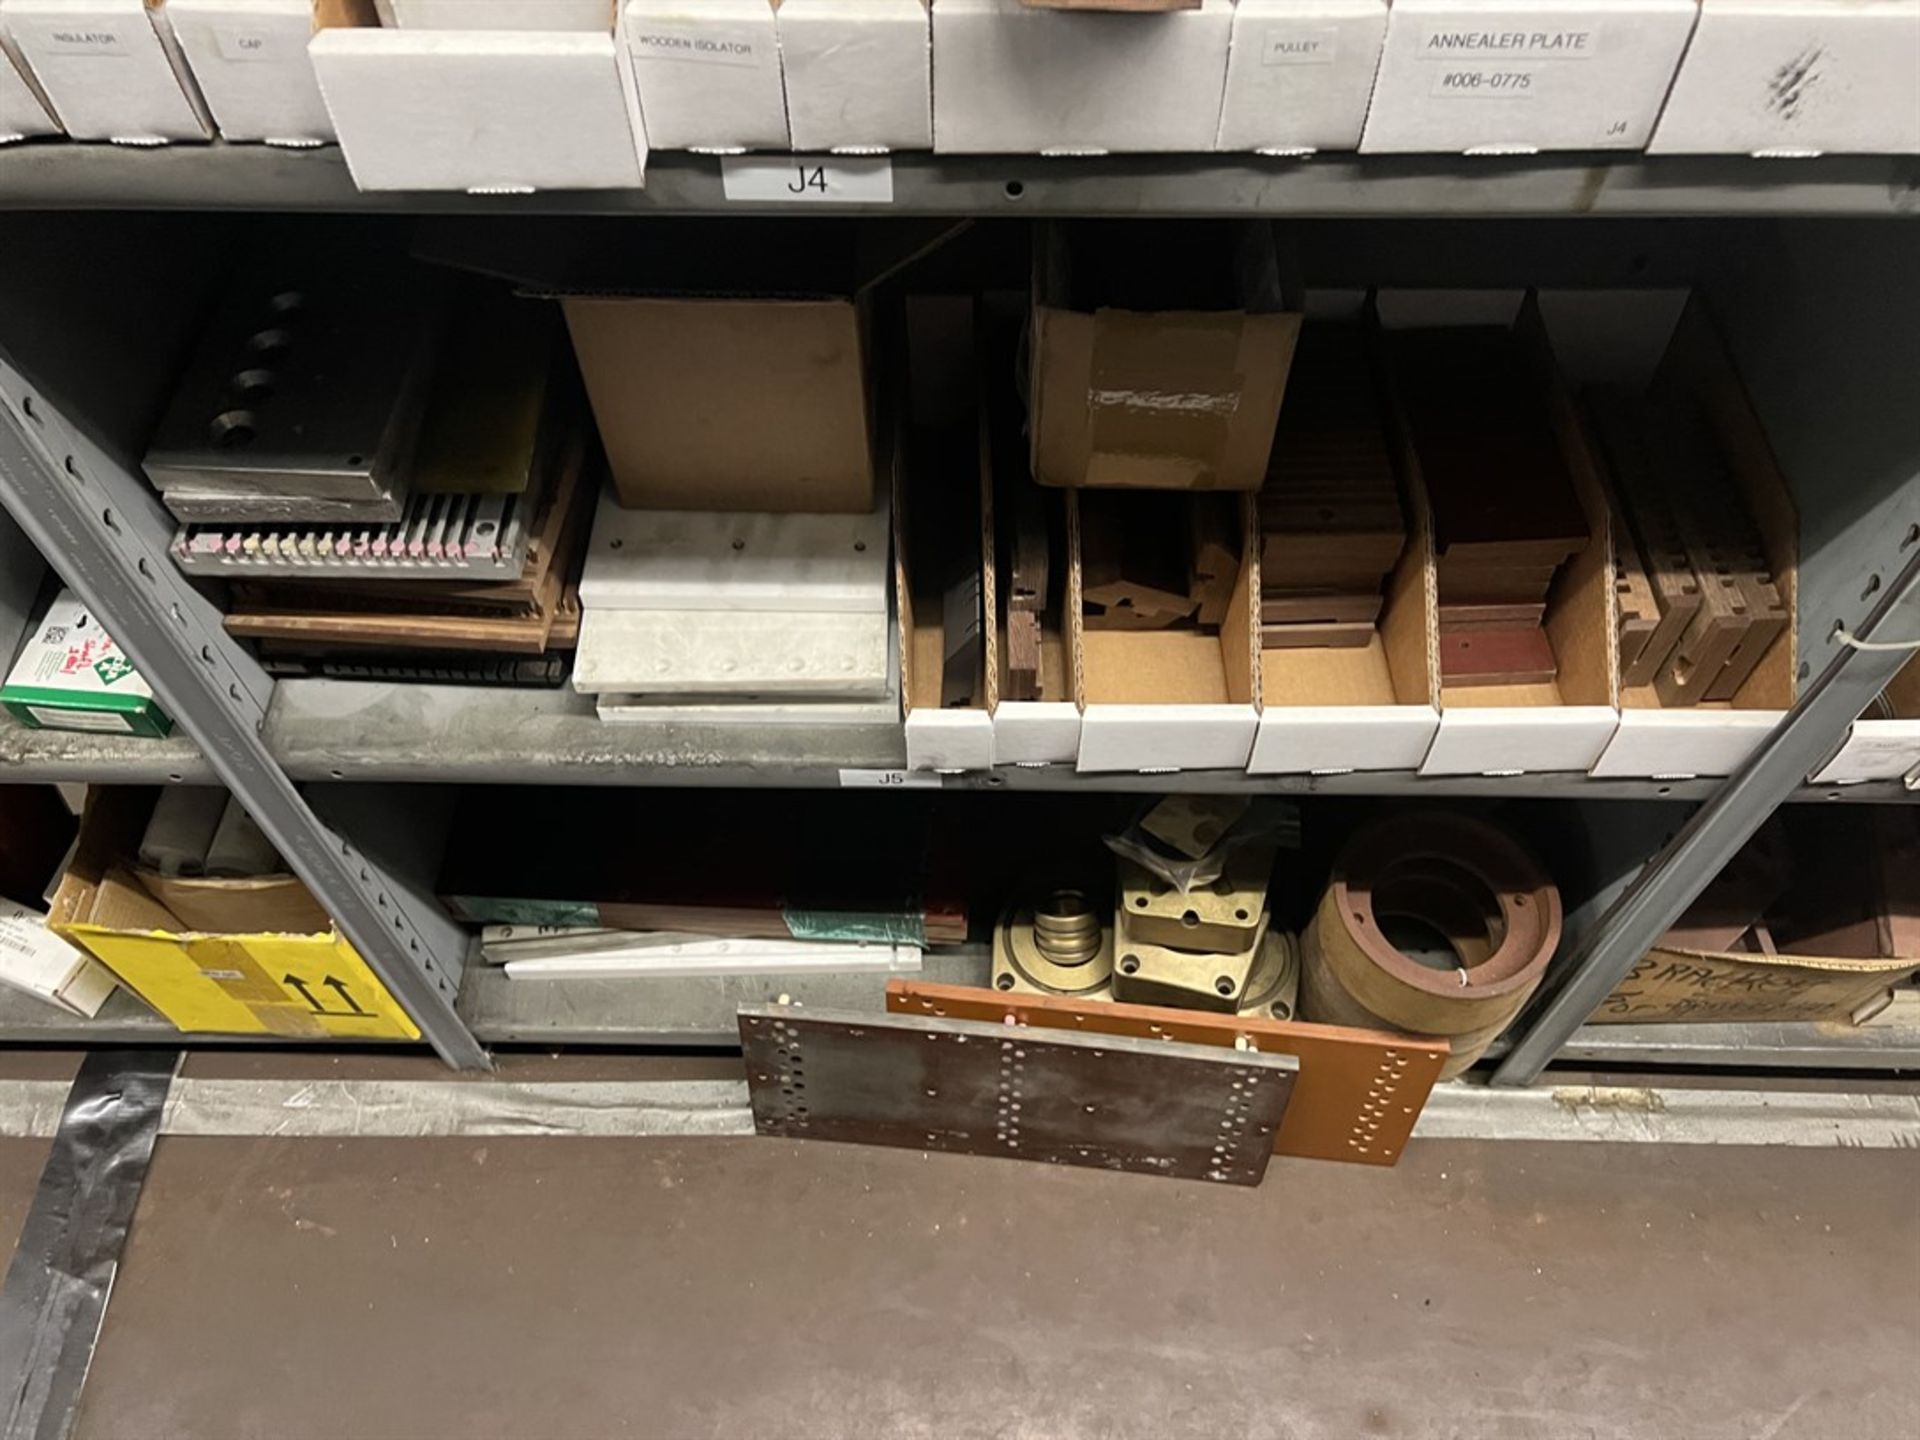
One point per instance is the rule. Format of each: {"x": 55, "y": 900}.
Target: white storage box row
{"x": 566, "y": 94}
{"x": 1152, "y": 701}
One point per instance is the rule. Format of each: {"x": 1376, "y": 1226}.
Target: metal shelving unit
{"x": 1812, "y": 284}
{"x": 62, "y": 176}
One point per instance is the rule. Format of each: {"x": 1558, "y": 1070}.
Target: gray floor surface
{"x": 763, "y": 1289}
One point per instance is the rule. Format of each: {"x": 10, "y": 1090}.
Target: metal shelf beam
{"x": 61, "y": 175}
{"x": 81, "y": 506}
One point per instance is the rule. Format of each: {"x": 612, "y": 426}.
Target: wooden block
{"x": 1310, "y": 637}
{"x": 1471, "y": 616}
{"x": 1023, "y": 656}
{"x": 1520, "y": 656}
{"x": 1769, "y": 617}
{"x": 1031, "y": 560}
{"x": 1213, "y": 564}
{"x": 1710, "y": 639}
{"x": 1637, "y": 611}
{"x": 1295, "y": 607}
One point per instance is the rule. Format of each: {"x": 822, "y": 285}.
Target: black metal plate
{"x": 1108, "y": 1102}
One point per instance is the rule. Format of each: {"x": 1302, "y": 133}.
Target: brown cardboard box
{"x": 1180, "y": 698}
{"x": 727, "y": 369}
{"x": 272, "y": 964}
{"x": 1563, "y": 723}
{"x": 1845, "y": 930}
{"x": 1715, "y": 737}
{"x": 1159, "y": 355}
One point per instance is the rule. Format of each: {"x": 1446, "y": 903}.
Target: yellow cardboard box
{"x": 279, "y": 976}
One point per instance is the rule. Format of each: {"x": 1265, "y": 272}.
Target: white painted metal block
{"x": 677, "y": 652}
{"x": 713, "y": 560}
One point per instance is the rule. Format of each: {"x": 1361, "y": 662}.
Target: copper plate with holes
{"x": 1356, "y": 1098}
{"x": 1108, "y": 1102}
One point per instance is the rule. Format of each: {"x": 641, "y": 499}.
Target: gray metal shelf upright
{"x": 1809, "y": 269}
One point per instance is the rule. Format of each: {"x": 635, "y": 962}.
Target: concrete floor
{"x": 758, "y": 1290}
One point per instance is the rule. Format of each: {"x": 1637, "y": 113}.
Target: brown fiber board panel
{"x": 1357, "y": 1097}
{"x": 1106, "y": 1102}
{"x": 1520, "y": 656}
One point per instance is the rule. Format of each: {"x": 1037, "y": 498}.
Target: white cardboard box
{"x": 593, "y": 15}
{"x": 23, "y": 114}
{"x": 483, "y": 111}
{"x": 1163, "y": 700}
{"x": 34, "y": 959}
{"x": 1014, "y": 80}
{"x": 708, "y": 73}
{"x": 250, "y": 60}
{"x": 859, "y": 74}
{"x": 1880, "y": 747}
{"x": 1518, "y": 76}
{"x": 111, "y": 69}
{"x": 1300, "y": 73}
{"x": 1796, "y": 78}
{"x": 1658, "y": 338}
{"x": 1564, "y": 723}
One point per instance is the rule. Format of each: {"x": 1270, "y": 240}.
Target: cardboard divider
{"x": 1713, "y": 737}
{"x": 486, "y": 111}
{"x": 1563, "y": 723}
{"x": 1373, "y": 707}
{"x": 1173, "y": 699}
{"x": 941, "y": 493}
{"x": 1025, "y": 732}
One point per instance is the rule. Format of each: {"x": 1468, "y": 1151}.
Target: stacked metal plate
{"x": 730, "y": 616}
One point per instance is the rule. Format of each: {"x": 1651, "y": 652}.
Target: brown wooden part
{"x": 1713, "y": 634}
{"x": 1521, "y": 656}
{"x": 1769, "y": 623}
{"x": 1637, "y": 611}
{"x": 1735, "y": 899}
{"x": 1213, "y": 563}
{"x": 1309, "y": 636}
{"x": 1469, "y": 615}
{"x": 1293, "y": 607}
{"x": 1350, "y": 1079}
{"x": 1031, "y": 560}
{"x": 1023, "y": 656}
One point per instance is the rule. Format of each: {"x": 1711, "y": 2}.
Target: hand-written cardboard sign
{"x": 1705, "y": 986}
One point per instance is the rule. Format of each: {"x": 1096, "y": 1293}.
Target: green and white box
{"x": 71, "y": 676}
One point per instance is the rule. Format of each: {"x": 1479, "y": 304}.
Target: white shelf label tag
{"x": 808, "y": 179}
{"x": 889, "y": 780}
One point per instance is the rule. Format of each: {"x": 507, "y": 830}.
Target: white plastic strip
{"x": 672, "y": 958}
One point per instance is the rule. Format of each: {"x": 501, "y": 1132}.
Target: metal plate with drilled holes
{"x": 307, "y": 380}
{"x": 958, "y": 1085}
{"x": 1357, "y": 1097}
{"x": 714, "y": 560}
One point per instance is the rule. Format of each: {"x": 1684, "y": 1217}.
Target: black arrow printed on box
{"x": 333, "y": 983}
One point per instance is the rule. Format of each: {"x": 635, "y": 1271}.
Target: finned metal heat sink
{"x": 436, "y": 537}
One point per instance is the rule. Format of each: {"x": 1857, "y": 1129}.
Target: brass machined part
{"x": 1059, "y": 945}
{"x": 1221, "y": 916}
{"x": 1191, "y": 825}
{"x": 1149, "y": 974}
{"x": 1273, "y": 990}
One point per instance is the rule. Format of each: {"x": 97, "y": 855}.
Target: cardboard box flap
{"x": 260, "y": 905}
{"x": 692, "y": 259}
